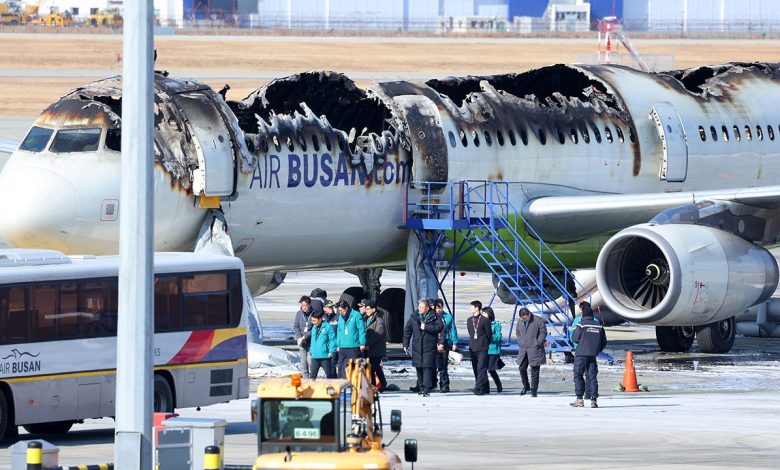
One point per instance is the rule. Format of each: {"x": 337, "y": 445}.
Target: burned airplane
{"x": 662, "y": 181}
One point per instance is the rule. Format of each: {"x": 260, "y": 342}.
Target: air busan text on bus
{"x": 666, "y": 183}
{"x": 58, "y": 319}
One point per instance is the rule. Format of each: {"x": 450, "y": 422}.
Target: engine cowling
{"x": 682, "y": 275}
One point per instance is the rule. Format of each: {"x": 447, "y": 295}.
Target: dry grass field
{"x": 192, "y": 55}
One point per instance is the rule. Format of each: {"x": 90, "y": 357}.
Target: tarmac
{"x": 714, "y": 411}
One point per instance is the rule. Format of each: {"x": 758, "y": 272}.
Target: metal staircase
{"x": 479, "y": 216}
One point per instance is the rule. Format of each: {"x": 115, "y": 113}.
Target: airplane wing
{"x": 8, "y": 146}
{"x": 570, "y": 218}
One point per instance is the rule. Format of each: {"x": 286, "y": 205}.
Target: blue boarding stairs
{"x": 451, "y": 219}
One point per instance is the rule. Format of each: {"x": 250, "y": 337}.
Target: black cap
{"x": 343, "y": 304}
{"x": 317, "y": 314}
{"x": 367, "y": 303}
{"x": 329, "y": 304}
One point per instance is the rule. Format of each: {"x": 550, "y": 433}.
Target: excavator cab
{"x": 333, "y": 421}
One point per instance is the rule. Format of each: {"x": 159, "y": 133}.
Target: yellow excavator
{"x": 326, "y": 423}
{"x": 55, "y": 18}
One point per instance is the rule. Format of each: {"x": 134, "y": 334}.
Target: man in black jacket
{"x": 480, "y": 335}
{"x": 421, "y": 335}
{"x": 591, "y": 340}
{"x": 376, "y": 341}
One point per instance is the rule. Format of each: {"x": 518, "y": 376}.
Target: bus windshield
{"x": 298, "y": 420}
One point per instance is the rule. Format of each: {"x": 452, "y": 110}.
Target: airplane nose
{"x": 37, "y": 208}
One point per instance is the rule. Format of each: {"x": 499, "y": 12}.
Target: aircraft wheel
{"x": 352, "y": 295}
{"x": 54, "y": 427}
{"x": 163, "y": 395}
{"x": 717, "y": 337}
{"x": 674, "y": 338}
{"x": 391, "y": 303}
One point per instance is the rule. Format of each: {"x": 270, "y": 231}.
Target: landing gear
{"x": 675, "y": 338}
{"x": 717, "y": 337}
{"x": 352, "y": 296}
{"x": 391, "y": 303}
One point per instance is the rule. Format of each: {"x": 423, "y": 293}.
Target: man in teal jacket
{"x": 322, "y": 347}
{"x": 448, "y": 342}
{"x": 350, "y": 335}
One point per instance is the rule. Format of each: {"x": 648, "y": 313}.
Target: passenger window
{"x": 542, "y": 136}
{"x": 619, "y": 134}
{"x": 770, "y": 132}
{"x": 736, "y": 133}
{"x": 574, "y": 137}
{"x": 328, "y": 144}
{"x": 725, "y": 133}
{"x": 475, "y": 137}
{"x": 759, "y": 133}
{"x": 452, "y": 139}
{"x": 463, "y": 139}
{"x": 608, "y": 134}
{"x": 714, "y": 133}
{"x": 585, "y": 134}
{"x": 277, "y": 145}
{"x": 561, "y": 137}
{"x": 524, "y": 136}
{"x": 36, "y": 139}
{"x": 702, "y": 134}
{"x": 290, "y": 144}
{"x": 315, "y": 142}
{"x": 488, "y": 139}
{"x": 301, "y": 141}
{"x": 748, "y": 134}
{"x": 511, "y": 137}
{"x": 500, "y": 138}
{"x": 631, "y": 135}
{"x": 76, "y": 140}
{"x": 596, "y": 132}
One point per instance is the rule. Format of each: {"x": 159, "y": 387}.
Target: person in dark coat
{"x": 302, "y": 333}
{"x": 531, "y": 335}
{"x": 591, "y": 340}
{"x": 421, "y": 334}
{"x": 480, "y": 336}
{"x": 376, "y": 341}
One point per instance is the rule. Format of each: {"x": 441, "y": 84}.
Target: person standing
{"x": 421, "y": 334}
{"x": 318, "y": 297}
{"x": 301, "y": 332}
{"x": 376, "y": 342}
{"x": 448, "y": 342}
{"x": 322, "y": 347}
{"x": 591, "y": 340}
{"x": 531, "y": 335}
{"x": 494, "y": 349}
{"x": 479, "y": 339}
{"x": 331, "y": 317}
{"x": 583, "y": 305}
{"x": 350, "y": 337}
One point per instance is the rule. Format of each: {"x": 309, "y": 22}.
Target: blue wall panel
{"x": 601, "y": 8}
{"x": 527, "y": 8}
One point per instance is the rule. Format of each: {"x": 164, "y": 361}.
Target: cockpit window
{"x": 76, "y": 140}
{"x": 36, "y": 139}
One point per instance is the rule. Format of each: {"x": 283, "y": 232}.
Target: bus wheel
{"x": 4, "y": 417}
{"x": 163, "y": 396}
{"x": 55, "y": 427}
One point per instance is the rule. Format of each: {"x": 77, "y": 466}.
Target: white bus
{"x": 58, "y": 318}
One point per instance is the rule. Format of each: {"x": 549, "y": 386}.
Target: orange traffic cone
{"x": 629, "y": 376}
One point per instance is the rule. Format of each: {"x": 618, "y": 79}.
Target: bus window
{"x": 205, "y": 300}
{"x": 14, "y": 324}
{"x": 43, "y": 311}
{"x": 68, "y": 315}
{"x": 36, "y": 139}
{"x": 167, "y": 304}
{"x": 76, "y": 140}
{"x": 98, "y": 313}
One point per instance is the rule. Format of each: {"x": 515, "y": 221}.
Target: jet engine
{"x": 682, "y": 275}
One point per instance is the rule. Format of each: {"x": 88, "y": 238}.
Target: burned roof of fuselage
{"x": 174, "y": 147}
{"x": 715, "y": 81}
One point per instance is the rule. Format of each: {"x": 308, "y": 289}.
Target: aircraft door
{"x": 215, "y": 175}
{"x": 429, "y": 147}
{"x": 674, "y": 165}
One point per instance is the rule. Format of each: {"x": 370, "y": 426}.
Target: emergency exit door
{"x": 674, "y": 144}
